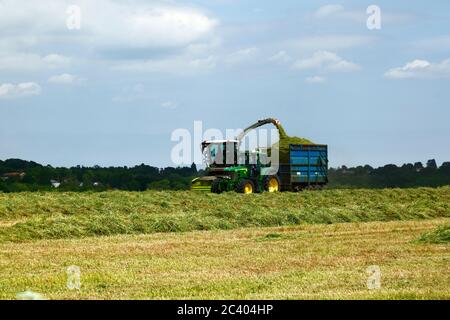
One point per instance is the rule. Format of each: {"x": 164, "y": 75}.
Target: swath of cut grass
{"x": 28, "y": 216}
{"x": 440, "y": 235}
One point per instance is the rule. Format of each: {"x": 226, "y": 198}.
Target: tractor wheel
{"x": 215, "y": 186}
{"x": 245, "y": 186}
{"x": 271, "y": 184}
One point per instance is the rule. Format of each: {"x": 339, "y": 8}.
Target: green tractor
{"x": 229, "y": 169}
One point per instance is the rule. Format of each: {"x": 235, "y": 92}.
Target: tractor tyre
{"x": 245, "y": 186}
{"x": 271, "y": 184}
{"x": 215, "y": 186}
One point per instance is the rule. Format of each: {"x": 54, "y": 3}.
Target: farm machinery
{"x": 300, "y": 165}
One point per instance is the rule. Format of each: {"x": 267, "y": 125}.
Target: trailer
{"x": 307, "y": 167}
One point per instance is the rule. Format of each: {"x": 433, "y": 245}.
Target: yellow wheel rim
{"x": 248, "y": 188}
{"x": 273, "y": 185}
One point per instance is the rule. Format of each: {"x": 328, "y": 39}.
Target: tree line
{"x": 391, "y": 176}
{"x": 19, "y": 175}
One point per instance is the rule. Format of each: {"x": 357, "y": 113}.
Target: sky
{"x": 108, "y": 82}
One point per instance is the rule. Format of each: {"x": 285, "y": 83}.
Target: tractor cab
{"x": 226, "y": 153}
{"x": 220, "y": 153}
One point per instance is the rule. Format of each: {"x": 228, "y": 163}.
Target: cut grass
{"x": 297, "y": 262}
{"x": 283, "y": 145}
{"x": 440, "y": 235}
{"x": 52, "y": 215}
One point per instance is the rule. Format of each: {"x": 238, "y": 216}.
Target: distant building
{"x": 55, "y": 183}
{"x": 13, "y": 175}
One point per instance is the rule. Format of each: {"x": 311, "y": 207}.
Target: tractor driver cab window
{"x": 230, "y": 153}
{"x": 221, "y": 153}
{"x": 215, "y": 153}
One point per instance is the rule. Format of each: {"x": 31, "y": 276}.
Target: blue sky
{"x": 113, "y": 91}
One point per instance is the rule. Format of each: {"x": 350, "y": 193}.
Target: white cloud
{"x": 315, "y": 79}
{"x": 281, "y": 57}
{"x": 181, "y": 26}
{"x": 55, "y": 60}
{"x": 25, "y": 61}
{"x": 241, "y": 56}
{"x": 326, "y": 61}
{"x": 329, "y": 42}
{"x": 359, "y": 15}
{"x": 129, "y": 33}
{"x": 138, "y": 93}
{"x": 338, "y": 12}
{"x": 169, "y": 105}
{"x": 106, "y": 23}
{"x": 189, "y": 63}
{"x": 329, "y": 10}
{"x": 135, "y": 93}
{"x": 65, "y": 78}
{"x": 12, "y": 91}
{"x": 180, "y": 65}
{"x": 420, "y": 69}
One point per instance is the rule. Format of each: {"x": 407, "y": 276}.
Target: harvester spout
{"x": 258, "y": 124}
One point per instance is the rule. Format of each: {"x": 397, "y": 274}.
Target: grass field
{"x": 29, "y": 216}
{"x": 151, "y": 245}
